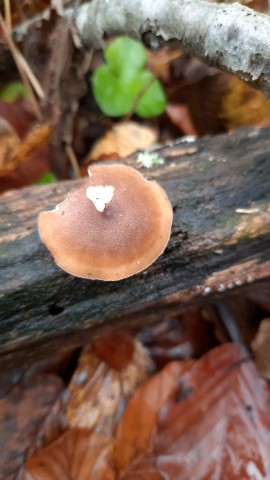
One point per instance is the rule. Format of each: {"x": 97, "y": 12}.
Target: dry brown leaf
{"x": 22, "y": 414}
{"x": 117, "y": 349}
{"x": 221, "y": 429}
{"x": 19, "y": 114}
{"x": 180, "y": 116}
{"x": 19, "y": 152}
{"x": 28, "y": 172}
{"x": 214, "y": 422}
{"x": 76, "y": 455}
{"x": 98, "y": 392}
{"x": 184, "y": 337}
{"x": 159, "y": 62}
{"x": 260, "y": 348}
{"x": 8, "y": 140}
{"x": 136, "y": 428}
{"x": 123, "y": 140}
{"x": 200, "y": 89}
{"x": 243, "y": 105}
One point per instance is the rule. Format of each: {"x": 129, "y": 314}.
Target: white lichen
{"x": 149, "y": 159}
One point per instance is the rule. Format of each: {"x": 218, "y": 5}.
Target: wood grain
{"x": 220, "y": 191}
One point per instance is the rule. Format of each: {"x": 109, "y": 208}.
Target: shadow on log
{"x": 220, "y": 191}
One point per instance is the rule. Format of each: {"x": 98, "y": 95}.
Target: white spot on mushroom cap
{"x": 100, "y": 195}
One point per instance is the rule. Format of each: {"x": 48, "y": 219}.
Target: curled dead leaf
{"x": 180, "y": 116}
{"x": 99, "y": 392}
{"x": 123, "y": 140}
{"x": 15, "y": 153}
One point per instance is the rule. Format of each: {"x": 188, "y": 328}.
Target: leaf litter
{"x": 201, "y": 419}
{"x": 194, "y": 419}
{"x": 27, "y": 418}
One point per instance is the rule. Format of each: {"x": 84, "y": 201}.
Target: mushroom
{"x": 114, "y": 226}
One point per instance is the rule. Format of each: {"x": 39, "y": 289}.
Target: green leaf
{"x": 118, "y": 84}
{"x": 125, "y": 56}
{"x": 49, "y": 177}
{"x": 153, "y": 102}
{"x": 110, "y": 96}
{"x": 12, "y": 91}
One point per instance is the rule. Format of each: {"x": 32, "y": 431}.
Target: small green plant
{"x": 12, "y": 91}
{"x": 48, "y": 177}
{"x": 123, "y": 84}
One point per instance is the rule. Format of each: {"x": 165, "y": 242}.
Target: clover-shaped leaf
{"x": 125, "y": 56}
{"x": 123, "y": 82}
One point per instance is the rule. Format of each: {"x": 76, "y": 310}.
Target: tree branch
{"x": 231, "y": 37}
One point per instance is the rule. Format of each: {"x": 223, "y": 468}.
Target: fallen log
{"x": 220, "y": 191}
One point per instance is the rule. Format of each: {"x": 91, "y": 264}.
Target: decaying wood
{"x": 220, "y": 191}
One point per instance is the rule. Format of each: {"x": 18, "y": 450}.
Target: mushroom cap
{"x": 115, "y": 242}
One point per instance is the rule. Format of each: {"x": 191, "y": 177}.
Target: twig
{"x": 24, "y": 77}
{"x": 8, "y": 15}
{"x": 32, "y": 78}
{"x": 73, "y": 161}
{"x": 230, "y": 326}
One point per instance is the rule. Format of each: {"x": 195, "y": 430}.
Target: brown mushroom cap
{"x": 126, "y": 237}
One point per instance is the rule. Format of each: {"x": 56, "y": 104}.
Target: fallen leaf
{"x": 22, "y": 413}
{"x": 184, "y": 337}
{"x": 19, "y": 115}
{"x": 210, "y": 421}
{"x": 159, "y": 62}
{"x": 260, "y": 348}
{"x": 138, "y": 424}
{"x": 221, "y": 426}
{"x": 116, "y": 350}
{"x": 243, "y": 105}
{"x": 26, "y": 158}
{"x": 19, "y": 152}
{"x": 99, "y": 392}
{"x": 200, "y": 89}
{"x": 180, "y": 116}
{"x": 123, "y": 140}
{"x": 27, "y": 172}
{"x": 9, "y": 140}
{"x": 76, "y": 455}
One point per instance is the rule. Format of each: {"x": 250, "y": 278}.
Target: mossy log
{"x": 220, "y": 191}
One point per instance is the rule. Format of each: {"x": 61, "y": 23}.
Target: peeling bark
{"x": 231, "y": 37}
